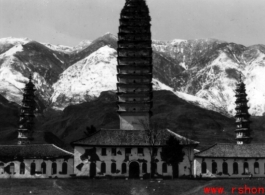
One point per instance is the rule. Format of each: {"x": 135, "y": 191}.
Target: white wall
{"x": 38, "y": 162}
{"x": 185, "y": 165}
{"x": 230, "y": 161}
{"x": 108, "y": 159}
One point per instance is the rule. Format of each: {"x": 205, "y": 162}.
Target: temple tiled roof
{"x": 33, "y": 151}
{"x": 128, "y": 138}
{"x": 227, "y": 150}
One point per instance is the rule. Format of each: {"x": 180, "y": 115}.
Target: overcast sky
{"x": 68, "y": 22}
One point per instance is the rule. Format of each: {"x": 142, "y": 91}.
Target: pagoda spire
{"x": 242, "y": 116}
{"x": 134, "y": 87}
{"x": 26, "y": 120}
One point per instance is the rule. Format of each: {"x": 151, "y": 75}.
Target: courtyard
{"x": 130, "y": 186}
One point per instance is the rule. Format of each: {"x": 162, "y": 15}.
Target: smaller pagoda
{"x": 26, "y": 120}
{"x": 242, "y": 116}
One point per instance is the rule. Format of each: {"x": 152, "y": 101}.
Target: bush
{"x": 108, "y": 176}
{"x": 147, "y": 176}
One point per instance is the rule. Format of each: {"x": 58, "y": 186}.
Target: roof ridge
{"x": 206, "y": 148}
{"x": 62, "y": 149}
{"x": 22, "y": 145}
{"x": 181, "y": 136}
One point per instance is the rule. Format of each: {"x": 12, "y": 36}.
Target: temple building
{"x": 27, "y": 159}
{"x": 228, "y": 160}
{"x": 125, "y": 152}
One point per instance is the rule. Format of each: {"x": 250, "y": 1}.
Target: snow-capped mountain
{"x": 68, "y": 49}
{"x": 212, "y": 69}
{"x": 204, "y": 71}
{"x": 23, "y": 58}
{"x": 86, "y": 79}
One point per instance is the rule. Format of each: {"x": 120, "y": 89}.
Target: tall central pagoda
{"x": 26, "y": 120}
{"x": 242, "y": 116}
{"x": 134, "y": 87}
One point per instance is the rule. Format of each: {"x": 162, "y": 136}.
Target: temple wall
{"x": 7, "y": 170}
{"x": 249, "y": 170}
{"x": 83, "y": 165}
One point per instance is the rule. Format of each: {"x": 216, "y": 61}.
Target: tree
{"x": 189, "y": 150}
{"x": 154, "y": 136}
{"x": 172, "y": 153}
{"x": 90, "y": 130}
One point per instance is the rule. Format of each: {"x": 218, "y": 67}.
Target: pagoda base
{"x": 134, "y": 121}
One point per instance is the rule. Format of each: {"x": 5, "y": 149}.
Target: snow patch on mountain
{"x": 61, "y": 48}
{"x": 255, "y": 81}
{"x": 177, "y": 41}
{"x": 11, "y": 84}
{"x": 157, "y": 85}
{"x": 14, "y": 41}
{"x": 183, "y": 65}
{"x": 58, "y": 58}
{"x": 13, "y": 50}
{"x": 87, "y": 78}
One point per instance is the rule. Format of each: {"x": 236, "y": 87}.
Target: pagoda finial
{"x": 30, "y": 77}
{"x": 240, "y": 77}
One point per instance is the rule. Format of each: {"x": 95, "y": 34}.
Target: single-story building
{"x": 126, "y": 153}
{"x": 35, "y": 161}
{"x": 226, "y": 160}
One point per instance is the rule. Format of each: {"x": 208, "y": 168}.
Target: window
{"x": 12, "y": 168}
{"x": 128, "y": 151}
{"x": 32, "y": 168}
{"x": 54, "y": 168}
{"x": 113, "y": 151}
{"x": 2, "y": 168}
{"x": 43, "y": 168}
{"x": 154, "y": 167}
{"x": 103, "y": 167}
{"x": 113, "y": 167}
{"x": 214, "y": 167}
{"x": 104, "y": 152}
{"x": 204, "y": 167}
{"x": 256, "y": 168}
{"x": 144, "y": 167}
{"x": 123, "y": 168}
{"x": 235, "y": 168}
{"x": 164, "y": 167}
{"x": 245, "y": 168}
{"x": 225, "y": 168}
{"x": 155, "y": 151}
{"x": 64, "y": 168}
{"x": 22, "y": 168}
{"x": 141, "y": 151}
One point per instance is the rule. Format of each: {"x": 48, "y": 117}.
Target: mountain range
{"x": 202, "y": 72}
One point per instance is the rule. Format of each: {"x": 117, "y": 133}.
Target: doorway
{"x": 92, "y": 170}
{"x": 134, "y": 170}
